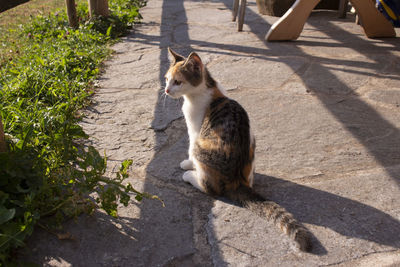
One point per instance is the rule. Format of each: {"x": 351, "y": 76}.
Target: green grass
{"x": 22, "y": 13}
{"x": 11, "y": 21}
{"x": 47, "y": 174}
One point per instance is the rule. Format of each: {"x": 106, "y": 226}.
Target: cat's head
{"x": 185, "y": 75}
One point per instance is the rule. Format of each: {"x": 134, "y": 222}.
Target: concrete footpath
{"x": 325, "y": 110}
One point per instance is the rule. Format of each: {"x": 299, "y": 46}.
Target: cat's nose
{"x": 166, "y": 90}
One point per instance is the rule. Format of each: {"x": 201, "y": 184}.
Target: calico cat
{"x": 221, "y": 149}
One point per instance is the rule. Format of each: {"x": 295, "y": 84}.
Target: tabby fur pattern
{"x": 222, "y": 146}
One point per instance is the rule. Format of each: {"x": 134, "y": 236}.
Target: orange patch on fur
{"x": 206, "y": 144}
{"x": 251, "y": 152}
{"x": 232, "y": 185}
{"x": 247, "y": 171}
{"x": 213, "y": 142}
{"x": 175, "y": 71}
{"x": 212, "y": 178}
{"x": 217, "y": 93}
{"x": 227, "y": 149}
{"x": 175, "y": 68}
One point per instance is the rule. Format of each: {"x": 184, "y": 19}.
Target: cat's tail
{"x": 247, "y": 198}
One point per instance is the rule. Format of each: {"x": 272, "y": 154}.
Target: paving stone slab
{"x": 324, "y": 110}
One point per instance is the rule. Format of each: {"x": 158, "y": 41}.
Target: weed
{"x": 48, "y": 172}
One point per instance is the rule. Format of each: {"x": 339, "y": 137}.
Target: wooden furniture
{"x": 343, "y": 8}
{"x": 290, "y": 25}
{"x": 241, "y": 12}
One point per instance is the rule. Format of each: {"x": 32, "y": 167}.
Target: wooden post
{"x": 343, "y": 8}
{"x": 98, "y": 8}
{"x": 242, "y": 12}
{"x": 3, "y": 146}
{"x": 235, "y": 9}
{"x": 71, "y": 11}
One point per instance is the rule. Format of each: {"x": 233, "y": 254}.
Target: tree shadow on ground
{"x": 359, "y": 118}
{"x": 103, "y": 240}
{"x": 344, "y": 216}
{"x": 379, "y": 136}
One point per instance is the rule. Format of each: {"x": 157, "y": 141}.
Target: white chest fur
{"x": 194, "y": 108}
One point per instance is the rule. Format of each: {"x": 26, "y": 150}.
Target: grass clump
{"x": 48, "y": 172}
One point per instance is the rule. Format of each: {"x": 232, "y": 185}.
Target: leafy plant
{"x": 48, "y": 171}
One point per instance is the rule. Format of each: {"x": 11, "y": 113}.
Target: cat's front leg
{"x": 187, "y": 164}
{"x": 193, "y": 178}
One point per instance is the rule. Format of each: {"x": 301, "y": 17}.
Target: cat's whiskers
{"x": 165, "y": 99}
{"x": 163, "y": 96}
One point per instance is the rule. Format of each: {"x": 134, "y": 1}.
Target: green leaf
{"x": 108, "y": 33}
{"x": 6, "y": 214}
{"x": 47, "y": 170}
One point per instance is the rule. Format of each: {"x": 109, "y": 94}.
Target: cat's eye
{"x": 177, "y": 82}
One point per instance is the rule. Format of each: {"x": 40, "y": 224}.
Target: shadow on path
{"x": 167, "y": 112}
{"x": 182, "y": 241}
{"x": 345, "y": 216}
{"x": 379, "y": 136}
{"x": 359, "y": 118}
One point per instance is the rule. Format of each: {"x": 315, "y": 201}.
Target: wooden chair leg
{"x": 291, "y": 24}
{"x": 241, "y": 15}
{"x": 235, "y": 9}
{"x": 374, "y": 23}
{"x": 343, "y": 8}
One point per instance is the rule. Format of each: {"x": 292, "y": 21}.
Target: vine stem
{"x": 56, "y": 207}
{"x": 11, "y": 237}
{"x": 133, "y": 190}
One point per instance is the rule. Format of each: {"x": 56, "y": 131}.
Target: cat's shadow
{"x": 346, "y": 217}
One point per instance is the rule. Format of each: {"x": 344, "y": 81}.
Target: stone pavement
{"x": 325, "y": 112}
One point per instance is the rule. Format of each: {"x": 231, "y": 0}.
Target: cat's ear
{"x": 175, "y": 57}
{"x": 193, "y": 63}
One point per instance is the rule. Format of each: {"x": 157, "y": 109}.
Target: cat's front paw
{"x": 187, "y": 164}
{"x": 188, "y": 176}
